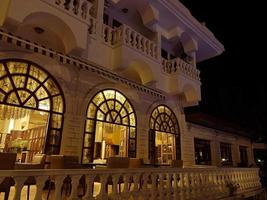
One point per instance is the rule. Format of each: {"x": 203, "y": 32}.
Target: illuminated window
{"x": 31, "y": 105}
{"x": 164, "y": 140}
{"x": 110, "y": 128}
{"x": 226, "y": 153}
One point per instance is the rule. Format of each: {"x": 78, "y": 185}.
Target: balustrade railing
{"x": 77, "y": 8}
{"x": 178, "y": 65}
{"x": 126, "y": 35}
{"x": 140, "y": 183}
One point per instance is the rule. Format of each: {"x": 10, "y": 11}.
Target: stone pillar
{"x": 72, "y": 135}
{"x": 158, "y": 42}
{"x": 100, "y": 13}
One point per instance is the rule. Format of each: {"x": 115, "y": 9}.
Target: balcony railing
{"x": 147, "y": 183}
{"x": 127, "y": 36}
{"x": 180, "y": 66}
{"x": 80, "y": 9}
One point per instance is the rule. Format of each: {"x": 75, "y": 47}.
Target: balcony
{"x": 70, "y": 29}
{"x": 139, "y": 183}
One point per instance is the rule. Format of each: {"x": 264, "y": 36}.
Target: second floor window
{"x": 202, "y": 152}
{"x": 243, "y": 154}
{"x": 226, "y": 153}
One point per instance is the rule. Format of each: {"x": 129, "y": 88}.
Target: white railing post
{"x": 89, "y": 182}
{"x": 40, "y": 182}
{"x": 58, "y": 184}
{"x": 19, "y": 183}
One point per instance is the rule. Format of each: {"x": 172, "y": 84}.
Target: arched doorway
{"x": 31, "y": 109}
{"x": 164, "y": 137}
{"x": 110, "y": 128}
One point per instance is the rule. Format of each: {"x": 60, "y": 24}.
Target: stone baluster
{"x": 127, "y": 35}
{"x": 156, "y": 52}
{"x": 19, "y": 183}
{"x": 175, "y": 185}
{"x": 133, "y": 39}
{"x": 135, "y": 192}
{"x": 58, "y": 184}
{"x": 139, "y": 42}
{"x": 187, "y": 185}
{"x": 147, "y": 46}
{"x": 40, "y": 181}
{"x": 89, "y": 181}
{"x": 74, "y": 186}
{"x": 154, "y": 191}
{"x": 161, "y": 186}
{"x": 103, "y": 191}
{"x": 127, "y": 186}
{"x": 76, "y": 6}
{"x": 151, "y": 49}
{"x": 169, "y": 189}
{"x": 115, "y": 183}
{"x": 193, "y": 186}
{"x": 182, "y": 186}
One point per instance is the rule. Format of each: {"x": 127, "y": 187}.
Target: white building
{"x": 98, "y": 79}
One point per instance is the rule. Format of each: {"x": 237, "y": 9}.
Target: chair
{"x": 7, "y": 161}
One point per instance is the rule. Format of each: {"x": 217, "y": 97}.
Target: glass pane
{"x": 2, "y": 96}
{"x": 89, "y": 126}
{"x": 128, "y": 107}
{"x": 125, "y": 121}
{"x": 56, "y": 121}
{"x": 44, "y": 104}
{"x": 98, "y": 99}
{"x": 54, "y": 137}
{"x": 109, "y": 94}
{"x": 111, "y": 104}
{"x": 100, "y": 115}
{"x": 152, "y": 121}
{"x": 41, "y": 93}
{"x": 108, "y": 118}
{"x": 51, "y": 87}
{"x": 118, "y": 120}
{"x": 132, "y": 119}
{"x": 12, "y": 99}
{"x": 86, "y": 156}
{"x": 132, "y": 132}
{"x": 155, "y": 113}
{"x": 23, "y": 95}
{"x": 32, "y": 84}
{"x": 161, "y": 109}
{"x": 170, "y": 123}
{"x": 168, "y": 111}
{"x": 113, "y": 114}
{"x": 37, "y": 73}
{"x": 104, "y": 107}
{"x": 19, "y": 81}
{"x": 17, "y": 67}
{"x": 5, "y": 84}
{"x": 91, "y": 111}
{"x": 123, "y": 113}
{"x": 57, "y": 104}
{"x": 31, "y": 103}
{"x": 132, "y": 145}
{"x": 120, "y": 97}
{"x": 117, "y": 106}
{"x": 87, "y": 140}
{"x": 2, "y": 70}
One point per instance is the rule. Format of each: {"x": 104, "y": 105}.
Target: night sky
{"x": 234, "y": 84}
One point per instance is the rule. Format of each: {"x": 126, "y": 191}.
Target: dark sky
{"x": 234, "y": 84}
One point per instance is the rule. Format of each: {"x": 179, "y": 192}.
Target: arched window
{"x": 31, "y": 108}
{"x": 110, "y": 127}
{"x": 164, "y": 138}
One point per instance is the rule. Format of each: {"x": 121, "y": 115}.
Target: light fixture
{"x": 38, "y": 30}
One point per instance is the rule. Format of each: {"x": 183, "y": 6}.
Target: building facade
{"x": 98, "y": 79}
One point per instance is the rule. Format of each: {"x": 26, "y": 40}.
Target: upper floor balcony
{"x": 75, "y": 28}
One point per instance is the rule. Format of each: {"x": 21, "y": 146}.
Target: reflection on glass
{"x": 165, "y": 147}
{"x": 110, "y": 140}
